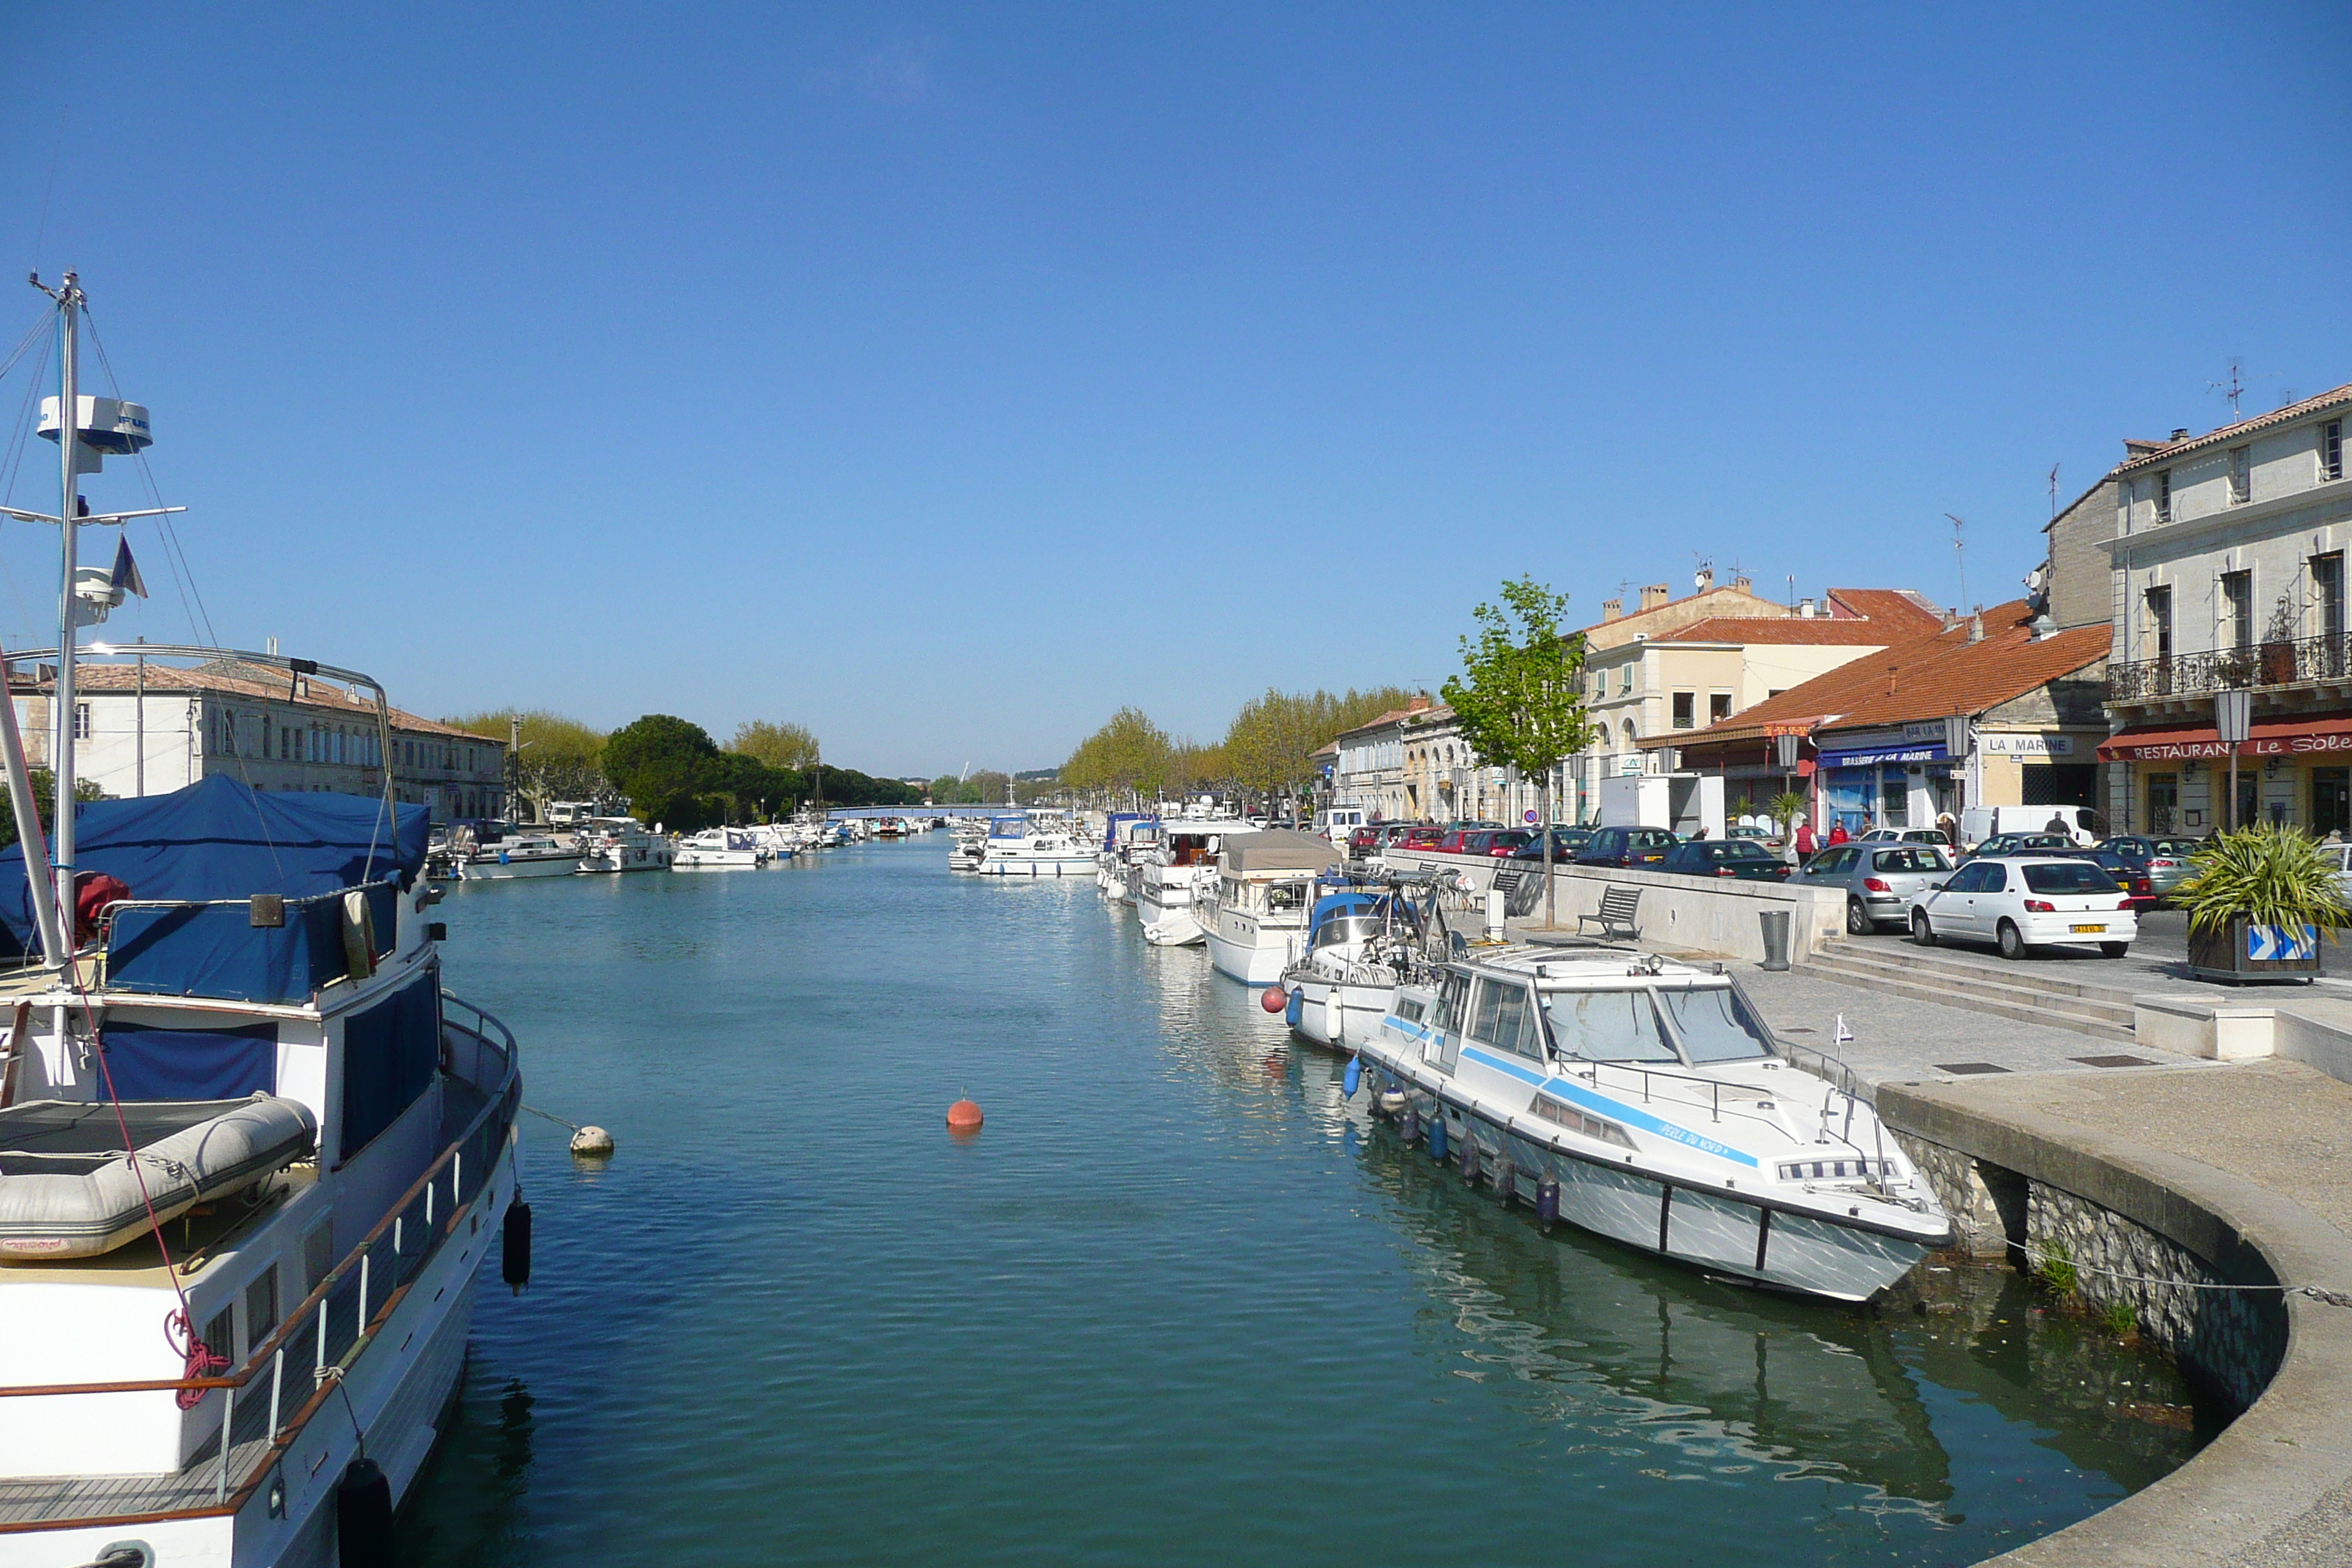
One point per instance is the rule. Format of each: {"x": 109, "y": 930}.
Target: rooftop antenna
{"x": 1960, "y": 554}
{"x": 2233, "y": 389}
{"x": 2054, "y": 492}
{"x": 1792, "y": 593}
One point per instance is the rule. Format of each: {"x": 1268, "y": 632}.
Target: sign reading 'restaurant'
{"x": 2182, "y": 749}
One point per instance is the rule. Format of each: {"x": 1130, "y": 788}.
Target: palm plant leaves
{"x": 2267, "y": 876}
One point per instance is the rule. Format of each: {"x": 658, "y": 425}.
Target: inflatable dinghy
{"x": 66, "y": 1187}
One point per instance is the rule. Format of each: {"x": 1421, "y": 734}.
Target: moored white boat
{"x": 1363, "y": 940}
{"x": 624, "y": 844}
{"x": 1166, "y": 879}
{"x": 716, "y": 849}
{"x": 1034, "y": 846}
{"x": 1644, "y": 1100}
{"x": 1256, "y": 913}
{"x": 513, "y": 859}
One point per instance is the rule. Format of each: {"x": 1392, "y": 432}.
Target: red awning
{"x": 2286, "y": 735}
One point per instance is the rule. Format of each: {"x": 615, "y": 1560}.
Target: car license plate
{"x": 2088, "y": 927}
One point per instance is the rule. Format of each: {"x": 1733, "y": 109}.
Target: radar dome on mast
{"x": 109, "y": 428}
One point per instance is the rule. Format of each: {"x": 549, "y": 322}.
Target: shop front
{"x": 2292, "y": 769}
{"x": 1886, "y": 779}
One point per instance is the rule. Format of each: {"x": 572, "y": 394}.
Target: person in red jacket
{"x": 1838, "y": 835}
{"x": 1806, "y": 842}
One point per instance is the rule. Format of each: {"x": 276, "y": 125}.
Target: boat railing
{"x": 1712, "y": 1098}
{"x": 1830, "y": 1070}
{"x": 266, "y": 948}
{"x": 265, "y": 1404}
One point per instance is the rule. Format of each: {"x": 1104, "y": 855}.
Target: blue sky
{"x": 944, "y": 377}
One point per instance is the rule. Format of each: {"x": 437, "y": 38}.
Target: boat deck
{"x": 44, "y": 1500}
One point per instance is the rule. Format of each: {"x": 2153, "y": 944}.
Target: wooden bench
{"x": 1615, "y": 919}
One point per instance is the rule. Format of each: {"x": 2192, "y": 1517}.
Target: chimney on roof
{"x": 1656, "y": 593}
{"x": 1741, "y": 581}
{"x": 1976, "y": 626}
{"x": 2181, "y": 433}
{"x": 1805, "y": 609}
{"x": 1610, "y": 609}
{"x": 1704, "y": 578}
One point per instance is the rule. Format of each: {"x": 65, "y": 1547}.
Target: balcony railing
{"x": 2231, "y": 669}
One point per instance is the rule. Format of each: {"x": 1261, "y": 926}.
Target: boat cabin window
{"x": 1408, "y": 1009}
{"x": 1714, "y": 1025}
{"x": 1504, "y": 1021}
{"x": 261, "y": 1308}
{"x": 219, "y": 1331}
{"x": 1607, "y": 1026}
{"x": 1285, "y": 897}
{"x": 1454, "y": 1007}
{"x": 1339, "y": 929}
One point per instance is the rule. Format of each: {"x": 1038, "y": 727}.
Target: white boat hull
{"x": 1051, "y": 866}
{"x": 715, "y": 859}
{"x": 629, "y": 857}
{"x": 1252, "y": 955}
{"x": 518, "y": 870}
{"x": 1336, "y": 1013}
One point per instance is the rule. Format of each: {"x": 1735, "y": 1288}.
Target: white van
{"x": 1337, "y": 823}
{"x": 2083, "y": 825}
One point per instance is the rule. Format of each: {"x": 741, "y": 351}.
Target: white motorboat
{"x": 716, "y": 849}
{"x": 624, "y": 844}
{"x": 1039, "y": 847}
{"x": 1363, "y": 941}
{"x": 1256, "y": 913}
{"x": 776, "y": 840}
{"x": 511, "y": 859}
{"x": 1166, "y": 878}
{"x": 252, "y": 1155}
{"x": 1644, "y": 1100}
{"x": 1126, "y": 834}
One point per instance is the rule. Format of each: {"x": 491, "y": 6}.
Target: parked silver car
{"x": 1880, "y": 879}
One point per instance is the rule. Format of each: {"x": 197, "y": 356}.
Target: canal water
{"x": 1178, "y": 1302}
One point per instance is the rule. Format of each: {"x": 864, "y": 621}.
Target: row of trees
{"x": 673, "y": 772}
{"x": 1268, "y": 749}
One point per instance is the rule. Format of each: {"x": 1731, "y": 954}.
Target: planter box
{"x": 2243, "y": 951}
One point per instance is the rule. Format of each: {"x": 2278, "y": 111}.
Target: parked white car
{"x": 2021, "y": 903}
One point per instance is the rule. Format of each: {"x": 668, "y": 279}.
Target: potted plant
{"x": 2258, "y": 900}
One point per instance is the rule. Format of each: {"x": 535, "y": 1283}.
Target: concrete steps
{"x": 2031, "y": 992}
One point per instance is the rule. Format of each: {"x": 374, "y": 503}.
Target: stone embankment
{"x": 2227, "y": 1243}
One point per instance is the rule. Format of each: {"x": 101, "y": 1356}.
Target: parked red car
{"x": 1365, "y": 840}
{"x": 1425, "y": 837}
{"x": 1505, "y": 842}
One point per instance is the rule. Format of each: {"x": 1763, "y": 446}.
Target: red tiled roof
{"x": 1931, "y": 677}
{"x": 2168, "y": 450}
{"x": 251, "y": 681}
{"x": 1879, "y": 617}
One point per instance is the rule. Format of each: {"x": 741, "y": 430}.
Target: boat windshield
{"x": 1714, "y": 1025}
{"x": 1607, "y": 1026}
{"x": 1337, "y": 929}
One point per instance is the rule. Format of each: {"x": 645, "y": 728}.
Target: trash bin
{"x": 1775, "y": 938}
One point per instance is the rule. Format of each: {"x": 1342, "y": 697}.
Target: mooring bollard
{"x": 1775, "y": 938}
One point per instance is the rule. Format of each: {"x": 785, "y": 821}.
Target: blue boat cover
{"x": 1331, "y": 906}
{"x": 220, "y": 840}
{"x": 1111, "y": 828}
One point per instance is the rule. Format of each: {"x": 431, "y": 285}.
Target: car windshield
{"x": 1606, "y": 1026}
{"x": 2174, "y": 846}
{"x": 2069, "y": 876}
{"x": 1911, "y": 857}
{"x": 1742, "y": 850}
{"x": 1714, "y": 1026}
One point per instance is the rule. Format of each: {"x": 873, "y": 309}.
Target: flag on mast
{"x": 126, "y": 570}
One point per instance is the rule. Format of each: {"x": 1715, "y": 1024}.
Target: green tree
{"x": 561, "y": 758}
{"x": 665, "y": 766}
{"x": 777, "y": 745}
{"x": 1269, "y": 748}
{"x": 1520, "y": 697}
{"x": 45, "y": 802}
{"x": 1127, "y": 756}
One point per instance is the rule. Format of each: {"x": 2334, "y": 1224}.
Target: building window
{"x": 2327, "y": 596}
{"x": 1683, "y": 703}
{"x": 1719, "y": 707}
{"x": 1895, "y": 799}
{"x": 2238, "y": 609}
{"x": 2159, "y": 622}
{"x": 2242, "y": 475}
{"x": 2164, "y": 495}
{"x": 82, "y": 720}
{"x": 2331, "y": 450}
{"x": 1626, "y": 680}
{"x": 2163, "y": 802}
{"x": 2125, "y": 498}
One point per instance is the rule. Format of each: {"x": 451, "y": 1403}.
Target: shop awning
{"x": 2286, "y": 735}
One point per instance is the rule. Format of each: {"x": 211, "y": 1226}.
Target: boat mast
{"x": 69, "y": 299}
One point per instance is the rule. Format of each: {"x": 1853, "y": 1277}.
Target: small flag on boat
{"x": 1844, "y": 1036}
{"x": 126, "y": 570}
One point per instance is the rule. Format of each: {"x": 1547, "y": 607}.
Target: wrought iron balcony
{"x": 2231, "y": 669}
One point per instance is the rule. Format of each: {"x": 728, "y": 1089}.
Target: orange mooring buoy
{"x": 963, "y": 1116}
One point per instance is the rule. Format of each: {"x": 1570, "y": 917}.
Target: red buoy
{"x": 1275, "y": 1000}
{"x": 963, "y": 1116}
